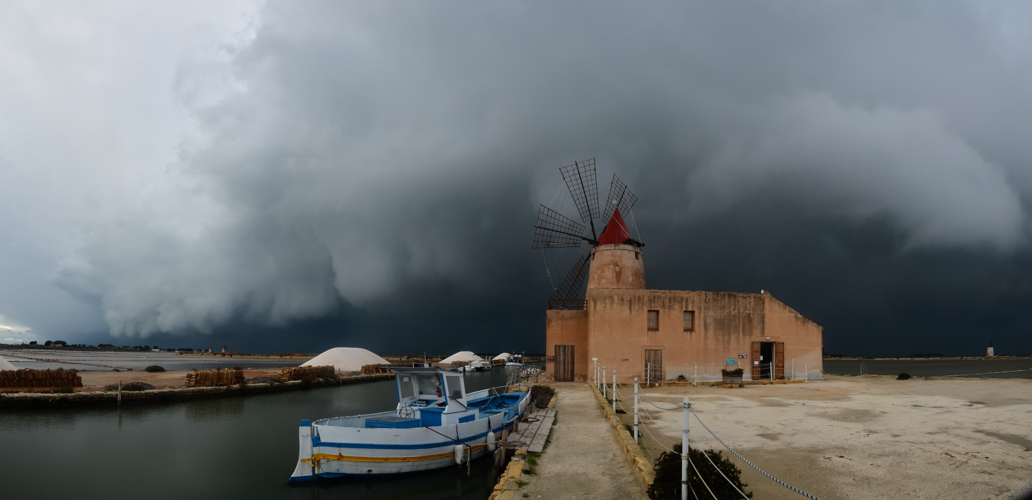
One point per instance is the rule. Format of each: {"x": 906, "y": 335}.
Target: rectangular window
{"x": 653, "y": 320}
{"x": 689, "y": 321}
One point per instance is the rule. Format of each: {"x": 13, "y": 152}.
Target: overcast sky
{"x": 296, "y": 176}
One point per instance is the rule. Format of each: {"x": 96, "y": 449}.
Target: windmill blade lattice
{"x": 583, "y": 185}
{"x": 566, "y": 295}
{"x": 620, "y": 196}
{"x": 554, "y": 230}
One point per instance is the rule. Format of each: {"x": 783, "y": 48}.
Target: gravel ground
{"x": 869, "y": 437}
{"x": 583, "y": 459}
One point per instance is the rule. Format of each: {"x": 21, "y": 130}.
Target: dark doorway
{"x": 766, "y": 358}
{"x": 564, "y": 363}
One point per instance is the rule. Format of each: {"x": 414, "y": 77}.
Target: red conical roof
{"x": 616, "y": 232}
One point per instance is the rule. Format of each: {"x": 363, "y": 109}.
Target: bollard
{"x": 635, "y": 410}
{"x": 614, "y": 391}
{"x": 684, "y": 448}
{"x": 119, "y": 393}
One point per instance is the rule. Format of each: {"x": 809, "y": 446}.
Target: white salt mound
{"x": 346, "y": 359}
{"x": 466, "y": 356}
{"x": 4, "y": 365}
{"x": 501, "y": 357}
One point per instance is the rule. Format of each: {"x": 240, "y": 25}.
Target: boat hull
{"x": 345, "y": 447}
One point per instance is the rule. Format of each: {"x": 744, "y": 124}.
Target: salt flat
{"x": 869, "y": 437}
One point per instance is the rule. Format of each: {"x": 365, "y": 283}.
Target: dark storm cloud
{"x": 387, "y": 160}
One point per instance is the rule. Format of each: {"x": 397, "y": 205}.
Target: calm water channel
{"x": 227, "y": 448}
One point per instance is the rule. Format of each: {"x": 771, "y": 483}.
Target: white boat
{"x": 480, "y": 366}
{"x": 435, "y": 425}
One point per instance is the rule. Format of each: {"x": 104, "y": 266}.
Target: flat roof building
{"x": 663, "y": 334}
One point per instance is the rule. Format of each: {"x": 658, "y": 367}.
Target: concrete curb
{"x": 507, "y": 483}
{"x": 39, "y": 400}
{"x": 642, "y": 466}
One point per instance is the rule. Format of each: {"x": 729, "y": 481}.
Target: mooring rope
{"x": 761, "y": 471}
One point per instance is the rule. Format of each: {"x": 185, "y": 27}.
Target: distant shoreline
{"x": 47, "y": 400}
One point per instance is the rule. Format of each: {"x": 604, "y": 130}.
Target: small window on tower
{"x": 653, "y": 320}
{"x": 689, "y": 321}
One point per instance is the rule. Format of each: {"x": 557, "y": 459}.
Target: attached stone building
{"x": 661, "y": 334}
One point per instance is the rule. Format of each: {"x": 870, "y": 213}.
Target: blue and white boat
{"x": 435, "y": 425}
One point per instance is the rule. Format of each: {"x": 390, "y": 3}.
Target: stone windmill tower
{"x": 615, "y": 258}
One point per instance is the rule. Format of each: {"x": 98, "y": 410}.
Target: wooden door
{"x": 756, "y": 374}
{"x": 654, "y": 365}
{"x": 564, "y": 363}
{"x": 779, "y": 361}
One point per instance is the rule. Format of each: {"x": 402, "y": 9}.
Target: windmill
{"x": 555, "y": 230}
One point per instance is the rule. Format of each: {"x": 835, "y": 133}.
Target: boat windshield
{"x": 429, "y": 384}
{"x": 405, "y": 386}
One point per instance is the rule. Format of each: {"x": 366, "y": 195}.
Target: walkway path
{"x": 584, "y": 459}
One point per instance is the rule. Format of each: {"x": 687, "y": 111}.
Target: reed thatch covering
{"x": 210, "y": 378}
{"x": 40, "y": 378}
{"x": 309, "y": 372}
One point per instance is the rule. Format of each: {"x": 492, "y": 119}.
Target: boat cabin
{"x": 436, "y": 396}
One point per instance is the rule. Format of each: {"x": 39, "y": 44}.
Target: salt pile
{"x": 466, "y": 356}
{"x": 502, "y": 357}
{"x": 346, "y": 359}
{"x": 4, "y": 365}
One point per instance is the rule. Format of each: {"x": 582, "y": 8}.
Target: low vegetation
{"x": 541, "y": 395}
{"x": 903, "y": 376}
{"x": 154, "y": 368}
{"x": 667, "y": 484}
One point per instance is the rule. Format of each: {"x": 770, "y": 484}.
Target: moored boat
{"x": 435, "y": 425}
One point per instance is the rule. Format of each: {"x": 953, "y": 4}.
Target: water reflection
{"x": 225, "y": 448}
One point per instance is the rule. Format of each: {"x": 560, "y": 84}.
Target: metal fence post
{"x": 684, "y": 448}
{"x": 635, "y": 409}
{"x": 648, "y": 373}
{"x": 614, "y": 391}
{"x": 603, "y": 382}
{"x": 771, "y": 372}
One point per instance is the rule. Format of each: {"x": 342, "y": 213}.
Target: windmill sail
{"x": 583, "y": 185}
{"x": 568, "y": 294}
{"x": 619, "y": 197}
{"x": 554, "y": 230}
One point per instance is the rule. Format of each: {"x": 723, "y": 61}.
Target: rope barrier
{"x": 718, "y": 469}
{"x": 700, "y": 477}
{"x": 761, "y": 471}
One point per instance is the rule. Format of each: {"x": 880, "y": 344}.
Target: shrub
{"x": 737, "y": 372}
{"x": 153, "y": 369}
{"x": 903, "y": 376}
{"x": 668, "y": 475}
{"x": 131, "y": 386}
{"x": 541, "y": 395}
